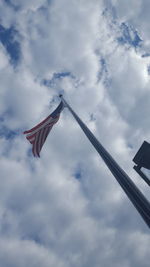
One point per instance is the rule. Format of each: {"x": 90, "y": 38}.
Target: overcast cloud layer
{"x": 66, "y": 209}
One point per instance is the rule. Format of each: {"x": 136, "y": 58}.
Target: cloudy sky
{"x": 66, "y": 209}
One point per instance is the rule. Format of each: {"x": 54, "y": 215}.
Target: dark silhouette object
{"x": 142, "y": 159}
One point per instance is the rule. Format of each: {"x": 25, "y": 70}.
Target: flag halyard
{"x": 38, "y": 134}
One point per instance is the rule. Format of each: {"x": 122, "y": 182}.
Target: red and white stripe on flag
{"x": 38, "y": 134}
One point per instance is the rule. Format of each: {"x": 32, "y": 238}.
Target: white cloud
{"x": 76, "y": 27}
{"x": 136, "y": 12}
{"x": 21, "y": 253}
{"x": 48, "y": 217}
{"x": 129, "y": 77}
{"x": 127, "y": 9}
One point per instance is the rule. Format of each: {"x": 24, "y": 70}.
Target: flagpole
{"x": 137, "y": 198}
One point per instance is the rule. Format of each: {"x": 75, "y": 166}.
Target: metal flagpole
{"x": 134, "y": 194}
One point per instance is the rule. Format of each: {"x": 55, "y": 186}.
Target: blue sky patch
{"x": 92, "y": 117}
{"x": 129, "y": 36}
{"x": 78, "y": 175}
{"x": 78, "y": 172}
{"x": 103, "y": 74}
{"x": 12, "y": 46}
{"x": 146, "y": 55}
{"x": 11, "y": 4}
{"x": 7, "y": 133}
{"x": 103, "y": 69}
{"x": 56, "y": 76}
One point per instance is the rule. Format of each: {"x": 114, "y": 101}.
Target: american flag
{"x": 38, "y": 134}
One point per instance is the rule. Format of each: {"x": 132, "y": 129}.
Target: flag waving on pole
{"x": 38, "y": 134}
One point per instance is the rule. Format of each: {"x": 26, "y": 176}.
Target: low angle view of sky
{"x": 65, "y": 208}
